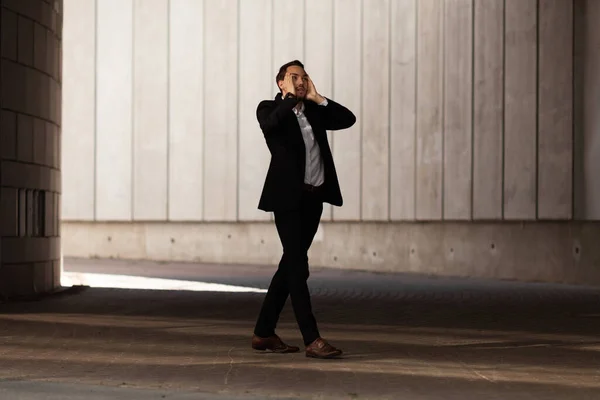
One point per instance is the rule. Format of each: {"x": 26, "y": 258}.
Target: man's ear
{"x": 280, "y": 85}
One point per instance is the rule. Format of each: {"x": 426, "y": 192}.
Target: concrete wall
{"x": 30, "y": 119}
{"x": 465, "y": 119}
{"x": 587, "y": 109}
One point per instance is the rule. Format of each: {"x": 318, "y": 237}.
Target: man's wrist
{"x": 318, "y": 99}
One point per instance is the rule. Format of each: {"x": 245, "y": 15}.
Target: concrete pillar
{"x": 30, "y": 80}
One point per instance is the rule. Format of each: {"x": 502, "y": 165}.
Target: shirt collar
{"x": 299, "y": 110}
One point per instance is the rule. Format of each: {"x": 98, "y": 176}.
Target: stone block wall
{"x": 30, "y": 158}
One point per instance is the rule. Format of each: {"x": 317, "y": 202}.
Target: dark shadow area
{"x": 362, "y": 299}
{"x": 357, "y": 299}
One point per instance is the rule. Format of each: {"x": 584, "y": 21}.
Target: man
{"x": 300, "y": 178}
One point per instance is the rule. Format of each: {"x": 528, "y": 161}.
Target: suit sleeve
{"x": 270, "y": 115}
{"x": 336, "y": 116}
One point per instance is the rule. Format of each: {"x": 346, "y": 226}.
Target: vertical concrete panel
{"x": 580, "y": 14}
{"x": 79, "y": 107}
{"x": 186, "y": 110}
{"x": 520, "y": 90}
{"x": 29, "y": 213}
{"x": 22, "y": 207}
{"x": 458, "y": 108}
{"x": 403, "y": 109}
{"x": 57, "y": 272}
{"x": 40, "y": 141}
{"x": 114, "y": 110}
{"x": 221, "y": 110}
{"x": 51, "y": 56}
{"x": 488, "y": 109}
{"x": 429, "y": 109}
{"x": 376, "y": 110}
{"x": 56, "y": 220}
{"x": 8, "y": 135}
{"x": 319, "y": 56}
{"x": 256, "y": 84}
{"x": 49, "y": 213}
{"x": 49, "y": 90}
{"x": 25, "y": 41}
{"x": 555, "y": 113}
{"x": 8, "y": 34}
{"x": 25, "y": 138}
{"x": 347, "y": 58}
{"x": 51, "y": 150}
{"x": 288, "y": 33}
{"x": 39, "y": 43}
{"x": 150, "y": 108}
{"x": 591, "y": 98}
{"x": 9, "y": 212}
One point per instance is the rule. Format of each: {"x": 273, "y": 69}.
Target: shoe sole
{"x": 326, "y": 357}
{"x": 276, "y": 351}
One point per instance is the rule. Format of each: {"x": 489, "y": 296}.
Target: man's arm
{"x": 335, "y": 116}
{"x": 270, "y": 115}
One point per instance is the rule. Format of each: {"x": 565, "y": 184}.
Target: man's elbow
{"x": 347, "y": 121}
{"x": 266, "y": 128}
{"x": 351, "y": 119}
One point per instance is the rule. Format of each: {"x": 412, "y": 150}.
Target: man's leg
{"x": 296, "y": 232}
{"x": 272, "y": 304}
{"x": 311, "y": 217}
{"x": 318, "y": 348}
{"x": 278, "y": 289}
{"x": 289, "y": 228}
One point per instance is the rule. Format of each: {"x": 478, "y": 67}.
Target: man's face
{"x": 299, "y": 79}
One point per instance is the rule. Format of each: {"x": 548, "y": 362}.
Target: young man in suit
{"x": 300, "y": 178}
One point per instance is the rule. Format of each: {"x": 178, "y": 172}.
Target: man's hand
{"x": 312, "y": 93}
{"x": 288, "y": 85}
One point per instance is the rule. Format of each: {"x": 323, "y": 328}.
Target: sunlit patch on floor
{"x": 138, "y": 282}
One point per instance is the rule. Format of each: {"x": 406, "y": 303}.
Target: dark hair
{"x": 281, "y": 74}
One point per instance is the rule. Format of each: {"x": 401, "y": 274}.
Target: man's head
{"x": 298, "y": 76}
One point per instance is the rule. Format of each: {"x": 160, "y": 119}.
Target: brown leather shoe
{"x": 273, "y": 343}
{"x": 321, "y": 349}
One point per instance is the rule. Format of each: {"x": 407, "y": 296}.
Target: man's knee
{"x": 296, "y": 266}
{"x": 298, "y": 275}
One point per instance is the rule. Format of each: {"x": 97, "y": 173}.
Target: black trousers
{"x": 296, "y": 231}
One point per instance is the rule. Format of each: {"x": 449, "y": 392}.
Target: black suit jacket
{"x": 285, "y": 178}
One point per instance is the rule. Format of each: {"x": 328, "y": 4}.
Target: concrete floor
{"x": 405, "y": 337}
